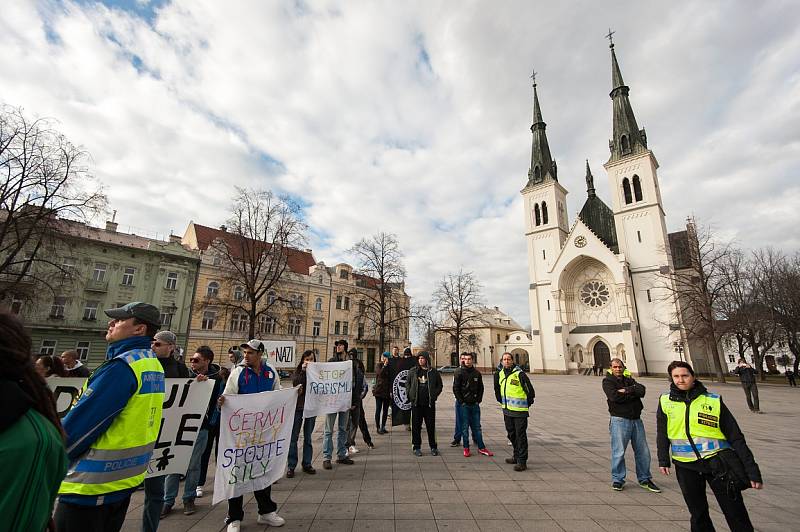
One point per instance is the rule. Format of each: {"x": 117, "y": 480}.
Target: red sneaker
{"x": 466, "y": 453}
{"x": 485, "y": 452}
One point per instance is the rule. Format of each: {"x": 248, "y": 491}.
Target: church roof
{"x": 679, "y": 245}
{"x": 598, "y": 216}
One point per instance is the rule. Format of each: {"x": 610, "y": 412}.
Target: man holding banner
{"x": 254, "y": 375}
{"x": 339, "y": 355}
{"x": 398, "y": 374}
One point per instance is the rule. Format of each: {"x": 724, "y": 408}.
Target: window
{"x": 361, "y": 330}
{"x": 57, "y": 310}
{"x": 337, "y": 327}
{"x": 83, "y": 350}
{"x": 537, "y": 215}
{"x": 90, "y": 311}
{"x": 297, "y": 301}
{"x": 316, "y": 328}
{"x": 99, "y": 273}
{"x": 343, "y": 274}
{"x": 127, "y": 276}
{"x": 347, "y": 303}
{"x": 172, "y": 281}
{"x": 16, "y": 305}
{"x": 339, "y": 302}
{"x": 318, "y": 304}
{"x": 537, "y": 175}
{"x": 625, "y": 144}
{"x": 637, "y": 188}
{"x": 271, "y": 297}
{"x": 548, "y": 304}
{"x": 362, "y": 307}
{"x": 294, "y": 326}
{"x": 544, "y": 255}
{"x": 68, "y": 266}
{"x": 649, "y": 300}
{"x": 731, "y": 358}
{"x": 48, "y": 347}
{"x": 266, "y": 324}
{"x": 239, "y": 321}
{"x": 209, "y": 317}
{"x": 594, "y": 294}
{"x": 344, "y": 328}
{"x": 498, "y": 338}
{"x": 212, "y": 290}
{"x": 544, "y": 213}
{"x": 639, "y": 236}
{"x": 626, "y": 191}
{"x": 238, "y": 293}
{"x": 166, "y": 320}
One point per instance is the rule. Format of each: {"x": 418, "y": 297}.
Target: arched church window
{"x": 544, "y": 213}
{"x": 594, "y": 294}
{"x": 537, "y": 174}
{"x": 536, "y": 215}
{"x": 637, "y": 188}
{"x": 625, "y": 144}
{"x": 626, "y": 191}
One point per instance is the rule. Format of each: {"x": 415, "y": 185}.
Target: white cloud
{"x": 413, "y": 117}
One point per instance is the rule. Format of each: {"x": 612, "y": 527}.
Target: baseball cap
{"x": 258, "y": 345}
{"x": 166, "y": 336}
{"x": 141, "y": 311}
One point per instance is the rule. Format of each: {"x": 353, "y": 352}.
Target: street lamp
{"x": 678, "y": 346}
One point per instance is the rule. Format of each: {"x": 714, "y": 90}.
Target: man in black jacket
{"x": 625, "y": 406}
{"x": 423, "y": 386}
{"x": 747, "y": 375}
{"x": 468, "y": 389}
{"x": 340, "y": 418}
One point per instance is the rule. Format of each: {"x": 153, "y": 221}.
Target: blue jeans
{"x": 308, "y": 429}
{"x": 469, "y": 417}
{"x": 341, "y": 435}
{"x": 623, "y": 431}
{"x": 153, "y": 501}
{"x": 192, "y": 474}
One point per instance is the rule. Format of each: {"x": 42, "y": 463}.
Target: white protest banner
{"x": 185, "y": 404}
{"x": 255, "y": 430}
{"x": 280, "y": 354}
{"x": 329, "y": 388}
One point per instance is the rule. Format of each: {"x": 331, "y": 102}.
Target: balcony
{"x": 96, "y": 286}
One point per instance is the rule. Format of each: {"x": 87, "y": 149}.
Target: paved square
{"x": 567, "y": 485}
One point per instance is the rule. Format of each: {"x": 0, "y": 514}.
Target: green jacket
{"x": 33, "y": 465}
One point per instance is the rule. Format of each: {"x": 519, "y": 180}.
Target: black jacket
{"x": 381, "y": 387}
{"x": 299, "y": 377}
{"x": 627, "y": 405}
{"x": 434, "y": 384}
{"x": 468, "y": 385}
{"x": 727, "y": 424}
{"x": 746, "y": 374}
{"x": 79, "y": 371}
{"x": 213, "y": 376}
{"x": 358, "y": 378}
{"x": 524, "y": 381}
{"x": 174, "y": 369}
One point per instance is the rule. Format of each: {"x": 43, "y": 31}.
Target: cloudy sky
{"x": 414, "y": 117}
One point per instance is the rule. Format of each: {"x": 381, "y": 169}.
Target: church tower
{"x": 546, "y": 229}
{"x": 640, "y": 224}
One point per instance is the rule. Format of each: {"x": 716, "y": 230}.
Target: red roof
{"x": 299, "y": 261}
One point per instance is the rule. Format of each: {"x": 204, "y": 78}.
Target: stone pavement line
{"x": 566, "y": 487}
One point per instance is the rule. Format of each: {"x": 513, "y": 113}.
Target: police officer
{"x": 112, "y": 429}
{"x": 711, "y": 428}
{"x": 515, "y": 393}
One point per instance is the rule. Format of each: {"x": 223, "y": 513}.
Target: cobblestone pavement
{"x": 567, "y": 485}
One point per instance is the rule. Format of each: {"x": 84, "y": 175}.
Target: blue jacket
{"x": 246, "y": 380}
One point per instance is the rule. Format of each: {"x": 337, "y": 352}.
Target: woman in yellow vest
{"x": 711, "y": 428}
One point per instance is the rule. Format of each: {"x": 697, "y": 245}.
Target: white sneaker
{"x": 352, "y": 449}
{"x": 234, "y": 526}
{"x": 508, "y": 443}
{"x": 198, "y": 492}
{"x": 271, "y": 519}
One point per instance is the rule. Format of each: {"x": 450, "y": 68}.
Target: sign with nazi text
{"x": 255, "y": 430}
{"x": 329, "y": 388}
{"x": 185, "y": 405}
{"x": 281, "y": 355}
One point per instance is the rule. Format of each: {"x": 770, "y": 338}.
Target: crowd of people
{"x": 94, "y": 458}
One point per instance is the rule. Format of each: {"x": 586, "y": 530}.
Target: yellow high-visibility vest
{"x": 512, "y": 394}
{"x": 118, "y": 459}
{"x": 703, "y": 421}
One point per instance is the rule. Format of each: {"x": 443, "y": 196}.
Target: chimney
{"x": 176, "y": 239}
{"x": 111, "y": 225}
{"x": 497, "y": 309}
{"x": 308, "y": 250}
{"x": 223, "y": 228}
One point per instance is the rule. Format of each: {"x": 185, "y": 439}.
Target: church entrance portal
{"x": 602, "y": 355}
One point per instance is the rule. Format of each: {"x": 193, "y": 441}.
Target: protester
{"x": 515, "y": 393}
{"x": 407, "y": 354}
{"x": 790, "y": 376}
{"x": 747, "y": 375}
{"x": 307, "y": 425}
{"x": 382, "y": 393}
{"x": 395, "y": 352}
{"x": 624, "y": 396}
{"x": 117, "y": 417}
{"x": 235, "y": 355}
{"x": 213, "y": 432}
{"x": 203, "y": 369}
{"x": 423, "y": 386}
{"x": 457, "y": 430}
{"x": 357, "y": 419}
{"x": 31, "y": 438}
{"x": 254, "y": 375}
{"x": 339, "y": 355}
{"x": 712, "y": 430}
{"x": 74, "y": 366}
{"x": 50, "y": 366}
{"x": 468, "y": 389}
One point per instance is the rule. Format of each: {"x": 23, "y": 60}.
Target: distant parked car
{"x": 448, "y": 369}
{"x": 284, "y": 374}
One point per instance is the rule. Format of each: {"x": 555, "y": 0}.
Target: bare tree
{"x": 459, "y": 298}
{"x": 381, "y": 276}
{"x": 261, "y": 235}
{"x": 779, "y": 282}
{"x": 696, "y": 285}
{"x": 427, "y": 321}
{"x": 45, "y": 178}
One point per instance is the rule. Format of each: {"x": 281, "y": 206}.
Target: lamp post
{"x": 678, "y": 346}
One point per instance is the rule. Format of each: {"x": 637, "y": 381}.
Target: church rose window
{"x": 594, "y": 294}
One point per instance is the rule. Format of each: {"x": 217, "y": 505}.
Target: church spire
{"x": 542, "y": 163}
{"x": 628, "y": 138}
{"x": 589, "y": 181}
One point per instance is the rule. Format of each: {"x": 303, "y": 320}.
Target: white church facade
{"x": 597, "y": 289}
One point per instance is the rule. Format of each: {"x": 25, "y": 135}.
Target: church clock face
{"x": 580, "y": 241}
{"x": 594, "y": 294}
